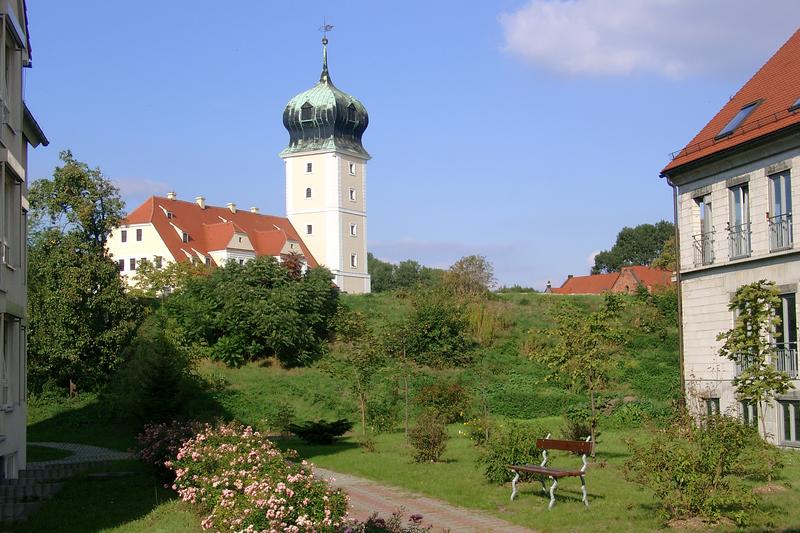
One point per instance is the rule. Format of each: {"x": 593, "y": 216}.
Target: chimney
{"x": 254, "y": 210}
{"x": 232, "y": 207}
{"x": 549, "y": 285}
{"x": 171, "y": 195}
{"x": 201, "y": 201}
{"x": 569, "y": 276}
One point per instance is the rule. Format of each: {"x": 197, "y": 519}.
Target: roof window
{"x": 737, "y": 120}
{"x": 351, "y": 113}
{"x": 307, "y": 112}
{"x": 795, "y": 106}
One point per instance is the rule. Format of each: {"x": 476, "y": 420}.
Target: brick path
{"x": 81, "y": 453}
{"x": 367, "y": 497}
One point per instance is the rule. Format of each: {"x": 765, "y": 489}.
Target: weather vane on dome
{"x": 325, "y": 28}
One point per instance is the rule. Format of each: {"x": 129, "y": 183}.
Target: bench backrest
{"x": 574, "y": 446}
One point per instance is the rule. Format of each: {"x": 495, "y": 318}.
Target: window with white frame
{"x": 185, "y": 237}
{"x": 781, "y": 236}
{"x": 352, "y": 193}
{"x": 790, "y": 421}
{"x": 739, "y": 222}
{"x": 352, "y": 168}
{"x": 712, "y": 406}
{"x": 703, "y": 243}
{"x": 785, "y": 336}
{"x": 353, "y": 260}
{"x": 353, "y": 230}
{"x": 132, "y": 262}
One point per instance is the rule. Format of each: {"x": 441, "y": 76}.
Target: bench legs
{"x": 552, "y": 493}
{"x": 514, "y": 485}
{"x": 583, "y": 488}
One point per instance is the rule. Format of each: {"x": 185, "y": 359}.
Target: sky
{"x": 527, "y": 131}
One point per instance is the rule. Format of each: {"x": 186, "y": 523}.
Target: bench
{"x": 543, "y": 471}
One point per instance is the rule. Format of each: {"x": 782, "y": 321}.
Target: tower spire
{"x": 325, "y": 77}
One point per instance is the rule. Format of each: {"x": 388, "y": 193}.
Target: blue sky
{"x": 527, "y": 131}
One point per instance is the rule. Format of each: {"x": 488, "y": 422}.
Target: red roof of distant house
{"x": 212, "y": 228}
{"x": 776, "y": 85}
{"x": 600, "y": 283}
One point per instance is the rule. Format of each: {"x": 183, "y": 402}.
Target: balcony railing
{"x": 739, "y": 241}
{"x": 780, "y": 232}
{"x": 703, "y": 244}
{"x": 784, "y": 359}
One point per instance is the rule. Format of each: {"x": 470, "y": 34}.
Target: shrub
{"x": 159, "y": 443}
{"x": 243, "y": 483}
{"x": 428, "y": 437}
{"x": 393, "y": 524}
{"x": 510, "y": 443}
{"x": 279, "y": 416}
{"x": 437, "y": 330}
{"x": 697, "y": 469}
{"x": 635, "y": 414}
{"x": 321, "y": 431}
{"x": 448, "y": 398}
{"x": 479, "y": 429}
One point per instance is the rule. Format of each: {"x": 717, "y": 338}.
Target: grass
{"x": 615, "y": 504}
{"x": 134, "y": 503}
{"x": 43, "y": 453}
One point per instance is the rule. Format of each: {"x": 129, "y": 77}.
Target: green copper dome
{"x": 325, "y": 118}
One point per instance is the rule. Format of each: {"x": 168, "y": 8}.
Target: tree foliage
{"x": 436, "y": 332}
{"x": 80, "y": 317}
{"x": 405, "y": 275}
{"x": 257, "y": 310}
{"x": 668, "y": 258}
{"x": 470, "y": 276}
{"x": 748, "y": 344}
{"x": 581, "y": 350}
{"x": 154, "y": 282}
{"x": 79, "y": 199}
{"x": 639, "y": 245}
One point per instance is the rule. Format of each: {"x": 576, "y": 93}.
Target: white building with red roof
{"x": 165, "y": 229}
{"x": 735, "y": 185}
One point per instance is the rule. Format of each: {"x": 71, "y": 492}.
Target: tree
{"x": 78, "y": 198}
{"x": 640, "y": 245}
{"x": 152, "y": 282}
{"x": 381, "y": 273}
{"x": 472, "y": 275}
{"x": 80, "y": 317}
{"x": 437, "y": 330}
{"x": 359, "y": 359}
{"x": 581, "y": 350}
{"x": 748, "y": 345}
{"x": 668, "y": 258}
{"x": 395, "y": 344}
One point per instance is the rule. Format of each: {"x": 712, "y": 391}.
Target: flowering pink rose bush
{"x": 245, "y": 484}
{"x": 159, "y": 443}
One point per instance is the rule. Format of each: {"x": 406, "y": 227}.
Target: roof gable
{"x": 776, "y": 88}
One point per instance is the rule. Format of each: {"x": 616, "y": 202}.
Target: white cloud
{"x": 670, "y": 38}
{"x": 590, "y": 259}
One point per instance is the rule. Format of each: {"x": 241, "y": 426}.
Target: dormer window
{"x": 795, "y": 106}
{"x": 737, "y": 120}
{"x": 185, "y": 237}
{"x": 307, "y": 112}
{"x": 351, "y": 113}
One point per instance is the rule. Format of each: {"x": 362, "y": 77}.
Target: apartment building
{"x": 735, "y": 185}
{"x": 18, "y": 131}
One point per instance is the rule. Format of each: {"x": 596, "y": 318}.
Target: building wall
{"x": 707, "y": 289}
{"x": 330, "y": 211}
{"x": 149, "y": 247}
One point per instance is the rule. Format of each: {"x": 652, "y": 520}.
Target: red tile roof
{"x": 776, "y": 85}
{"x": 212, "y": 228}
{"x": 599, "y": 283}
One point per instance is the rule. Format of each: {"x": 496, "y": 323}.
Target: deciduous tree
{"x": 639, "y": 245}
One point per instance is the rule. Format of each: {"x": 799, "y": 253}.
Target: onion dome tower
{"x": 326, "y": 170}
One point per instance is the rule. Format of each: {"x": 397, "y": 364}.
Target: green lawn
{"x": 134, "y": 503}
{"x": 615, "y": 504}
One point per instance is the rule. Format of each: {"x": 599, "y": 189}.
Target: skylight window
{"x": 737, "y": 120}
{"x": 795, "y": 106}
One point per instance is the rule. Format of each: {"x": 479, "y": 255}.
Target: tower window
{"x": 353, "y": 229}
{"x": 309, "y": 229}
{"x": 352, "y": 195}
{"x": 307, "y": 112}
{"x": 309, "y": 168}
{"x": 308, "y": 192}
{"x": 352, "y": 167}
{"x": 351, "y": 113}
{"x": 353, "y": 260}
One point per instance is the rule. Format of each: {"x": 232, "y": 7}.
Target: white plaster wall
{"x": 149, "y": 247}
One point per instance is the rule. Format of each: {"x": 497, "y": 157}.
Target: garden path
{"x": 367, "y": 497}
{"x": 81, "y": 453}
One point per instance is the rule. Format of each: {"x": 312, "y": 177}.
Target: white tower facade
{"x": 326, "y": 179}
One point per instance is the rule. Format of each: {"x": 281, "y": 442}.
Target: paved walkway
{"x": 367, "y": 497}
{"x": 81, "y": 453}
